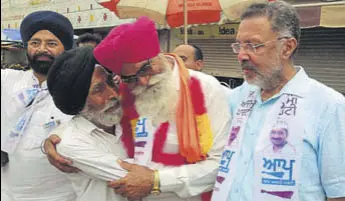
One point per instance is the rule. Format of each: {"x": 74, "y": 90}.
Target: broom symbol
{"x": 282, "y": 194}
{"x": 275, "y": 174}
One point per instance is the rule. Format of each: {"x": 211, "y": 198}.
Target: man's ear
{"x": 199, "y": 64}
{"x": 289, "y": 46}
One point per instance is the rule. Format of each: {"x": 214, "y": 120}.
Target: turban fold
{"x": 128, "y": 43}
{"x": 70, "y": 77}
{"x": 54, "y": 22}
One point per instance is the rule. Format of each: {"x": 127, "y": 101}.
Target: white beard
{"x": 268, "y": 79}
{"x": 158, "y": 100}
{"x": 104, "y": 117}
{"x": 271, "y": 79}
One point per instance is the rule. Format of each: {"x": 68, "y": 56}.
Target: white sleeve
{"x": 9, "y": 78}
{"x": 94, "y": 154}
{"x": 194, "y": 179}
{"x": 4, "y": 78}
{"x": 4, "y": 85}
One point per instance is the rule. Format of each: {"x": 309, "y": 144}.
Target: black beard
{"x": 41, "y": 67}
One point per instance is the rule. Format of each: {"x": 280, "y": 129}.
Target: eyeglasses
{"x": 109, "y": 77}
{"x": 145, "y": 70}
{"x": 250, "y": 47}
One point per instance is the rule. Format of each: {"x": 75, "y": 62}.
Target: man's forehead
{"x": 44, "y": 35}
{"x": 183, "y": 55}
{"x": 101, "y": 75}
{"x": 254, "y": 28}
{"x": 132, "y": 68}
{"x": 184, "y": 49}
{"x": 101, "y": 72}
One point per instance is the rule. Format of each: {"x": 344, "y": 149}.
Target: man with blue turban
{"x": 29, "y": 114}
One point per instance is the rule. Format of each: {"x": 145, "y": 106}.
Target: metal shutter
{"x": 219, "y": 60}
{"x": 322, "y": 54}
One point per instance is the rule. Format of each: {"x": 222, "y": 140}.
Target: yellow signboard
{"x": 226, "y": 31}
{"x": 200, "y": 32}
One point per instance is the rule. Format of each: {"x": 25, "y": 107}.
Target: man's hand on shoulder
{"x": 56, "y": 159}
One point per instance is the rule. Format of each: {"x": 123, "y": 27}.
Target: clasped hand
{"x": 136, "y": 184}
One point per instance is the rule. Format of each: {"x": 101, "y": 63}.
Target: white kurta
{"x": 95, "y": 153}
{"x": 187, "y": 182}
{"x": 28, "y": 176}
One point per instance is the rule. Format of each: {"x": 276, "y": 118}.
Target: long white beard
{"x": 158, "y": 100}
{"x": 102, "y": 116}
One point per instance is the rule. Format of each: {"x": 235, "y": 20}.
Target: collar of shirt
{"x": 298, "y": 84}
{"x": 81, "y": 122}
{"x": 44, "y": 85}
{"x": 84, "y": 124}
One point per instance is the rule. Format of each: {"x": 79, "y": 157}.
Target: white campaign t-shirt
{"x": 29, "y": 176}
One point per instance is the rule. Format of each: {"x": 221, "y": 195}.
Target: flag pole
{"x": 185, "y": 21}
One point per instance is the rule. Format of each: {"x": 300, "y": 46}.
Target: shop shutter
{"x": 219, "y": 60}
{"x": 322, "y": 54}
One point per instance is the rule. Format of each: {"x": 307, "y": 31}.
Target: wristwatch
{"x": 155, "y": 189}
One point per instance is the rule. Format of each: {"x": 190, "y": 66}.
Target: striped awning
{"x": 322, "y": 14}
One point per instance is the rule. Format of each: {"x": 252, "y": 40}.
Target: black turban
{"x": 70, "y": 77}
{"x": 54, "y": 22}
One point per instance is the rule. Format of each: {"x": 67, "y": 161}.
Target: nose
{"x": 242, "y": 55}
{"x": 42, "y": 47}
{"x": 143, "y": 81}
{"x": 111, "y": 94}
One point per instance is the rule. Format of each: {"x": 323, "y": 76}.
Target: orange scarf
{"x": 185, "y": 122}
